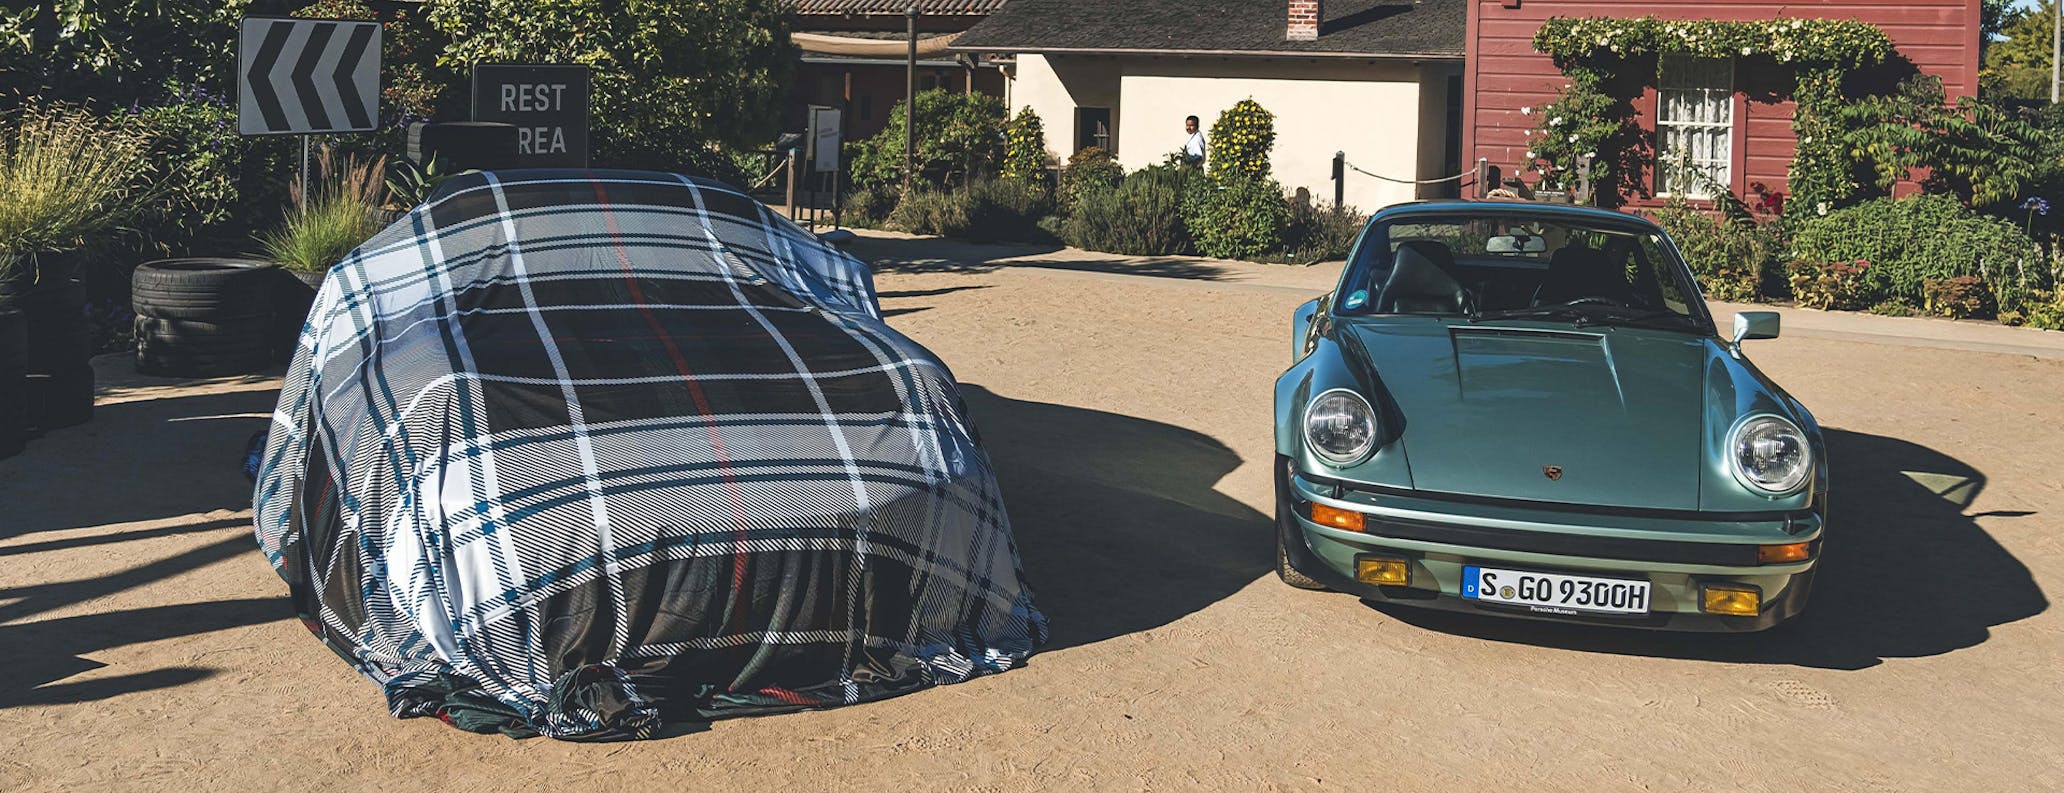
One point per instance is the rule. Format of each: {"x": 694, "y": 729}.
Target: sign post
{"x": 548, "y": 105}
{"x": 824, "y": 140}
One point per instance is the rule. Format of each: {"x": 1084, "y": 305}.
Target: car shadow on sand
{"x": 1117, "y": 518}
{"x": 1906, "y": 574}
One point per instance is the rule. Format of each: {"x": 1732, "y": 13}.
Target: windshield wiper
{"x": 1585, "y": 314}
{"x": 1581, "y": 316}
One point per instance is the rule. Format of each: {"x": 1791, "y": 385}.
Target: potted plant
{"x": 66, "y": 176}
{"x": 341, "y": 211}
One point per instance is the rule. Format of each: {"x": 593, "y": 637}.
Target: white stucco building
{"x": 1376, "y": 80}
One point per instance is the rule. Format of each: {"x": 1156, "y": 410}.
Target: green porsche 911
{"x": 1525, "y": 409}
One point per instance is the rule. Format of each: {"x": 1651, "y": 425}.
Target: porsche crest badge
{"x": 1553, "y": 472}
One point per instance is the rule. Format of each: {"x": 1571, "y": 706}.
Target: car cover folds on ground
{"x": 575, "y": 453}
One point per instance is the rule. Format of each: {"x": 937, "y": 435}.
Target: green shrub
{"x": 1839, "y": 285}
{"x": 1232, "y": 216}
{"x": 923, "y": 211}
{"x": 1911, "y": 240}
{"x": 1090, "y": 168}
{"x": 1962, "y": 297}
{"x": 341, "y": 214}
{"x": 1732, "y": 256}
{"x": 867, "y": 208}
{"x": 65, "y": 177}
{"x": 1141, "y": 216}
{"x": 1241, "y": 139}
{"x": 1894, "y": 308}
{"x": 959, "y": 136}
{"x": 219, "y": 188}
{"x": 1320, "y": 232}
{"x": 1004, "y": 210}
{"x": 2042, "y": 310}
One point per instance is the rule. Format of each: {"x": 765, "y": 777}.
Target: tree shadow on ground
{"x": 1906, "y": 574}
{"x": 140, "y": 460}
{"x": 33, "y": 654}
{"x": 922, "y": 255}
{"x": 135, "y": 461}
{"x": 1117, "y": 518}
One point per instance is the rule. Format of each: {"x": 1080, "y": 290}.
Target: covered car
{"x": 1527, "y": 410}
{"x": 578, "y": 453}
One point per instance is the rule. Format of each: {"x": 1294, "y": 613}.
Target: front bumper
{"x": 1438, "y": 547}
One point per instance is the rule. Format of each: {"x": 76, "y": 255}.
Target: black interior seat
{"x": 1420, "y": 281}
{"x": 1583, "y": 271}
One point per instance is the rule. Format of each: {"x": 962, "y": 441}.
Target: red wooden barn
{"x": 1732, "y": 118}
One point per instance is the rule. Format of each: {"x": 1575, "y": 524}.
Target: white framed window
{"x": 1694, "y": 125}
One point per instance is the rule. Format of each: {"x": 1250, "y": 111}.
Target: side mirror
{"x": 1755, "y": 325}
{"x": 838, "y": 237}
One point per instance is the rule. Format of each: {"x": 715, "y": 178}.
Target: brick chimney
{"x": 1304, "y": 21}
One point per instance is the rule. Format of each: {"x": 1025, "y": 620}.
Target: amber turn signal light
{"x": 1780, "y": 554}
{"x": 1336, "y": 518}
{"x": 1379, "y": 570}
{"x": 1734, "y": 600}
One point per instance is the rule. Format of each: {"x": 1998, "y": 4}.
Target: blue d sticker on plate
{"x": 1358, "y": 298}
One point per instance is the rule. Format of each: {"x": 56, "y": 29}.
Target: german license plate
{"x": 1555, "y": 593}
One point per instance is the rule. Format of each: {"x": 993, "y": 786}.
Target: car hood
{"x": 1606, "y": 416}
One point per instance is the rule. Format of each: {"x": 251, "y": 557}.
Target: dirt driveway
{"x": 144, "y": 644}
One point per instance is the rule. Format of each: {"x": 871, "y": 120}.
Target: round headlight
{"x": 1770, "y": 454}
{"x": 1340, "y": 426}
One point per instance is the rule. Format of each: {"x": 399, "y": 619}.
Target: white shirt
{"x": 1195, "y": 145}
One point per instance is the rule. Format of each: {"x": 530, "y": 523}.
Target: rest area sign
{"x": 548, "y": 106}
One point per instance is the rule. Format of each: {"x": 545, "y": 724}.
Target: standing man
{"x": 1193, "y": 148}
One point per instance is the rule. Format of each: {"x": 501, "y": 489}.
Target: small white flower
{"x": 1531, "y": 155}
{"x": 1572, "y": 138}
{"x": 1796, "y": 24}
{"x": 1591, "y": 154}
{"x": 1555, "y": 122}
{"x": 1745, "y": 51}
{"x": 1526, "y": 110}
{"x": 1820, "y": 208}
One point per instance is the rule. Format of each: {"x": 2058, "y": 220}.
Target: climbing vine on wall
{"x": 1586, "y": 48}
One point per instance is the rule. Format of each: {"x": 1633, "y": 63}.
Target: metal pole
{"x": 910, "y": 102}
{"x": 302, "y": 199}
{"x": 1339, "y": 179}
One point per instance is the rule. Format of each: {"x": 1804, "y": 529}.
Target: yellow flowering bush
{"x": 1024, "y": 149}
{"x": 1241, "y": 139}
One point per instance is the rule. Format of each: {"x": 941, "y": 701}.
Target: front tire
{"x": 1289, "y": 574}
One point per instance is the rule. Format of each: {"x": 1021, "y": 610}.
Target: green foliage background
{"x": 670, "y": 78}
{"x": 959, "y": 135}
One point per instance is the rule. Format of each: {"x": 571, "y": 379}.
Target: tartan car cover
{"x": 572, "y": 453}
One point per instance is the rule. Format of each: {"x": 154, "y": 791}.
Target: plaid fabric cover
{"x": 571, "y": 453}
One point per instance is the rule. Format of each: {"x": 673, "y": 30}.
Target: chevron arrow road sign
{"x": 299, "y": 76}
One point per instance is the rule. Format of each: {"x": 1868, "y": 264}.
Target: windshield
{"x": 1511, "y": 266}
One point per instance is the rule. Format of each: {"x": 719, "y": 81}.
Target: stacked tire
{"x": 56, "y": 373}
{"x": 204, "y": 317}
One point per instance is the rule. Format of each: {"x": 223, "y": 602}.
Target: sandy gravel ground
{"x": 144, "y": 643}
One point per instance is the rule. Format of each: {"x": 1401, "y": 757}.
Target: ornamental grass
{"x": 341, "y": 213}
{"x": 65, "y": 177}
